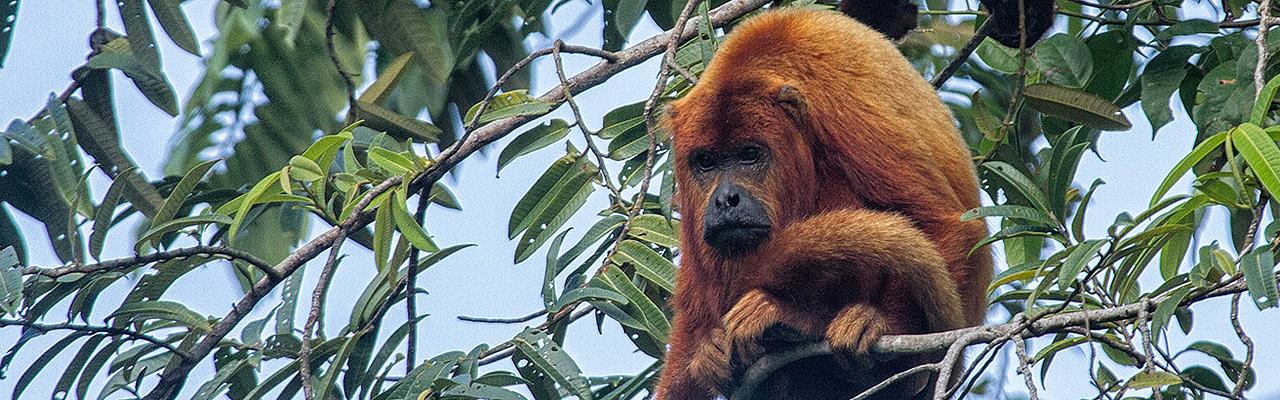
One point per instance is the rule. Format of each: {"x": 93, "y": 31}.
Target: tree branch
{"x": 954, "y": 342}
{"x": 134, "y": 261}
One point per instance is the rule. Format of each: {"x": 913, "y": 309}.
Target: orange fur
{"x": 867, "y": 181}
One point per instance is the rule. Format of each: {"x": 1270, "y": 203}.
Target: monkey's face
{"x": 743, "y": 165}
{"x": 735, "y": 220}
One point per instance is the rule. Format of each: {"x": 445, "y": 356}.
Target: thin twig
{"x": 1024, "y": 367}
{"x": 962, "y": 54}
{"x": 1259, "y": 71}
{"x": 125, "y": 263}
{"x": 515, "y": 320}
{"x": 333, "y": 53}
{"x": 1238, "y": 390}
{"x": 582, "y": 125}
{"x": 317, "y": 304}
{"x": 411, "y": 284}
{"x": 93, "y": 329}
{"x": 1114, "y": 7}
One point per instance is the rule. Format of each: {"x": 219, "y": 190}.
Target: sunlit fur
{"x": 867, "y": 180}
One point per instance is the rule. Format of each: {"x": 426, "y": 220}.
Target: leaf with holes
{"x": 544, "y": 357}
{"x": 510, "y": 104}
{"x": 648, "y": 263}
{"x": 1259, "y": 275}
{"x": 162, "y": 310}
{"x": 532, "y": 140}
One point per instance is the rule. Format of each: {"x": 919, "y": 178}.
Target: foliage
{"x": 276, "y": 138}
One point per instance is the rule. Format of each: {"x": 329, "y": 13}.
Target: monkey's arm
{"x": 847, "y": 247}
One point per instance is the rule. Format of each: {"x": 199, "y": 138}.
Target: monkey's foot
{"x": 854, "y": 330}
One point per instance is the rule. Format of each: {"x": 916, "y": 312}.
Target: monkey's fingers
{"x": 853, "y": 331}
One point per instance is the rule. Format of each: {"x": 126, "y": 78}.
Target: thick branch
{"x": 890, "y": 347}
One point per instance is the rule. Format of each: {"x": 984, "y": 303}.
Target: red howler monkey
{"x": 821, "y": 183}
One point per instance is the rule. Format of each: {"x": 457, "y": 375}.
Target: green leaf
{"x": 409, "y": 228}
{"x": 180, "y": 192}
{"x": 509, "y": 104}
{"x": 654, "y": 319}
{"x": 1259, "y": 275}
{"x": 6, "y": 153}
{"x": 162, "y": 310}
{"x": 630, "y": 144}
{"x": 41, "y": 362}
{"x": 1263, "y": 104}
{"x": 1162, "y": 76}
{"x": 1075, "y": 106}
{"x": 1055, "y": 347}
{"x": 141, "y": 40}
{"x": 174, "y": 22}
{"x": 1077, "y": 260}
{"x": 1065, "y": 60}
{"x": 621, "y": 120}
{"x": 1112, "y": 53}
{"x": 8, "y": 19}
{"x": 395, "y": 124}
{"x": 10, "y": 281}
{"x": 1260, "y": 152}
{"x": 565, "y": 199}
{"x": 593, "y": 235}
{"x": 583, "y": 293}
{"x": 290, "y": 15}
{"x": 303, "y": 169}
{"x": 1187, "y": 27}
{"x": 1166, "y": 308}
{"x": 250, "y": 199}
{"x": 526, "y": 209}
{"x": 1153, "y": 379}
{"x": 998, "y": 57}
{"x": 1077, "y": 222}
{"x": 647, "y": 263}
{"x": 383, "y": 226}
{"x": 1198, "y": 153}
{"x": 387, "y": 79}
{"x": 103, "y": 215}
{"x": 172, "y": 225}
{"x": 656, "y": 229}
{"x": 390, "y": 161}
{"x": 1023, "y": 213}
{"x": 545, "y": 357}
{"x": 532, "y": 140}
{"x": 77, "y": 364}
{"x": 1020, "y": 183}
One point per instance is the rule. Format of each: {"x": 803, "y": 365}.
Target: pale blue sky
{"x": 50, "y": 41}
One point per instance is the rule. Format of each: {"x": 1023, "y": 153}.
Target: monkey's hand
{"x": 854, "y": 330}
{"x": 760, "y": 324}
{"x": 710, "y": 361}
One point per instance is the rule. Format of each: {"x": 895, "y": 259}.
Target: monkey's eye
{"x": 750, "y": 155}
{"x": 704, "y": 162}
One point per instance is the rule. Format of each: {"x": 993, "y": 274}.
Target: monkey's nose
{"x": 727, "y": 196}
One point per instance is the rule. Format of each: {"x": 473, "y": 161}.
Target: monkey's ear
{"x": 792, "y": 100}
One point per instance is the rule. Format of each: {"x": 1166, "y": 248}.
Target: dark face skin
{"x": 736, "y": 222}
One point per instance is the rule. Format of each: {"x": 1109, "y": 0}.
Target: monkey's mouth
{"x": 735, "y": 239}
